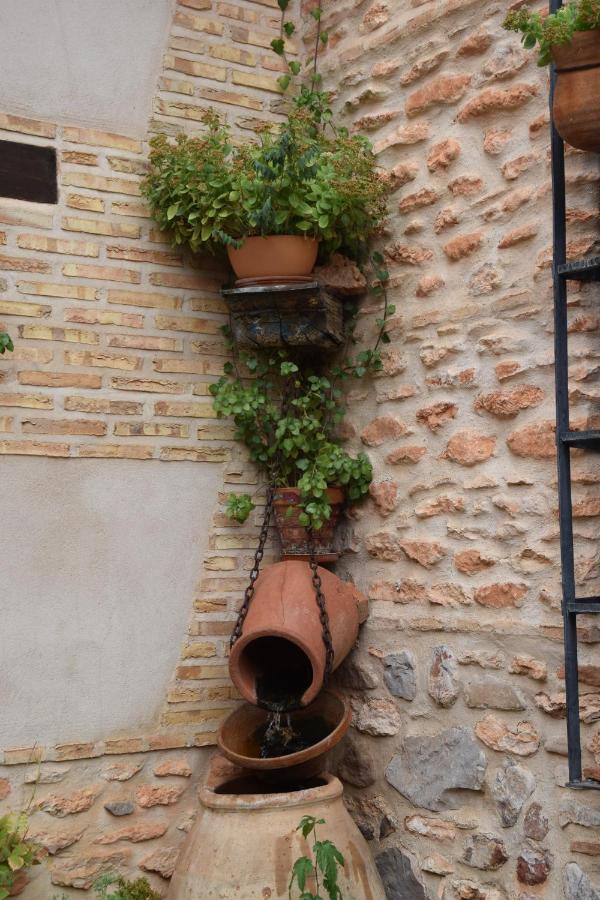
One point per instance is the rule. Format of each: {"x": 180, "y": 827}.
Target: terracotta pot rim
{"x": 332, "y": 790}
{"x": 316, "y": 663}
{"x": 293, "y": 759}
{"x": 334, "y": 493}
{"x": 585, "y": 43}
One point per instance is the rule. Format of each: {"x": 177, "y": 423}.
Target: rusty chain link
{"x": 322, "y": 604}
{"x": 254, "y": 573}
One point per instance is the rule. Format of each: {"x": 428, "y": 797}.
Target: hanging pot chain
{"x": 254, "y": 573}
{"x": 322, "y": 604}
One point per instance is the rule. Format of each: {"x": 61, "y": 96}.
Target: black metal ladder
{"x": 572, "y": 605}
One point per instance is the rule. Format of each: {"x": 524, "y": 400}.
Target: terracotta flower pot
{"x": 576, "y": 107}
{"x": 283, "y": 255}
{"x": 19, "y": 884}
{"x": 281, "y": 654}
{"x": 244, "y": 842}
{"x": 294, "y": 536}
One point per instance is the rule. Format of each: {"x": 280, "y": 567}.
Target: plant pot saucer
{"x": 274, "y": 279}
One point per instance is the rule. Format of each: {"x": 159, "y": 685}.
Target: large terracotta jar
{"x": 280, "y": 656}
{"x": 244, "y": 842}
{"x": 576, "y": 107}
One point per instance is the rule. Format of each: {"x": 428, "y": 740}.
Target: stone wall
{"x": 456, "y": 763}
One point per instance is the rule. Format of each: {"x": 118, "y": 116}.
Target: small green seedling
{"x": 327, "y": 860}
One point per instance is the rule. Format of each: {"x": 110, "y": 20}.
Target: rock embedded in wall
{"x": 398, "y": 876}
{"x": 511, "y": 788}
{"x": 399, "y": 674}
{"x": 427, "y": 770}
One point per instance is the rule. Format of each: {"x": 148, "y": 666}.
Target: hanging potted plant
{"x": 570, "y": 38}
{"x": 288, "y": 419}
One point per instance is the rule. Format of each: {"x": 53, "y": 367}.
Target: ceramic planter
{"x": 238, "y": 739}
{"x": 19, "y": 884}
{"x": 577, "y": 95}
{"x": 281, "y": 650}
{"x": 244, "y": 842}
{"x": 295, "y": 543}
{"x": 282, "y": 256}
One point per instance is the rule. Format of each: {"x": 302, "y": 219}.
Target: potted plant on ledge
{"x": 271, "y": 204}
{"x": 570, "y": 38}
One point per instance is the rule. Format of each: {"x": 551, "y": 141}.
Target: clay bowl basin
{"x": 326, "y": 720}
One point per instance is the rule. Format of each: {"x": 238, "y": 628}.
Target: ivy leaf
{"x": 278, "y": 45}
{"x": 294, "y": 67}
{"x": 283, "y": 4}
{"x": 302, "y": 869}
{"x": 284, "y": 82}
{"x": 289, "y": 28}
{"x": 324, "y": 37}
{"x": 316, "y": 14}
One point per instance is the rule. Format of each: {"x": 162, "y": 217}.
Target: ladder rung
{"x": 586, "y": 440}
{"x": 581, "y": 269}
{"x": 584, "y": 604}
{"x": 584, "y": 785}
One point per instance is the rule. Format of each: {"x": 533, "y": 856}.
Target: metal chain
{"x": 254, "y": 573}
{"x": 322, "y": 604}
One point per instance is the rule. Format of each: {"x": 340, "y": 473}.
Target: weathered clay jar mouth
{"x": 281, "y": 652}
{"x": 238, "y": 743}
{"x": 219, "y": 796}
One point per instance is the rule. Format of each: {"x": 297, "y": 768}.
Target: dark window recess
{"x": 28, "y": 172}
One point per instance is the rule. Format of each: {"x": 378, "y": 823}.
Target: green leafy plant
{"x": 207, "y": 193}
{"x": 238, "y": 507}
{"x": 289, "y": 418}
{"x": 325, "y": 867}
{"x": 112, "y": 887}
{"x": 555, "y": 29}
{"x": 17, "y": 852}
{"x": 5, "y": 342}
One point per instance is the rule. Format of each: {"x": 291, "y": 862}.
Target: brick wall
{"x": 458, "y": 547}
{"x": 117, "y": 338}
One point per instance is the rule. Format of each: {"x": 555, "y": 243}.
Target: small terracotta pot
{"x": 281, "y": 650}
{"x": 245, "y": 840}
{"x": 294, "y": 537}
{"x": 283, "y": 255}
{"x": 576, "y": 107}
{"x": 19, "y": 884}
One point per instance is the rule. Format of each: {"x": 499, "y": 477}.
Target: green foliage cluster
{"x": 289, "y": 419}
{"x": 300, "y": 180}
{"x": 16, "y": 851}
{"x": 327, "y": 860}
{"x": 109, "y": 887}
{"x": 553, "y": 30}
{"x": 114, "y": 887}
{"x": 5, "y": 342}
